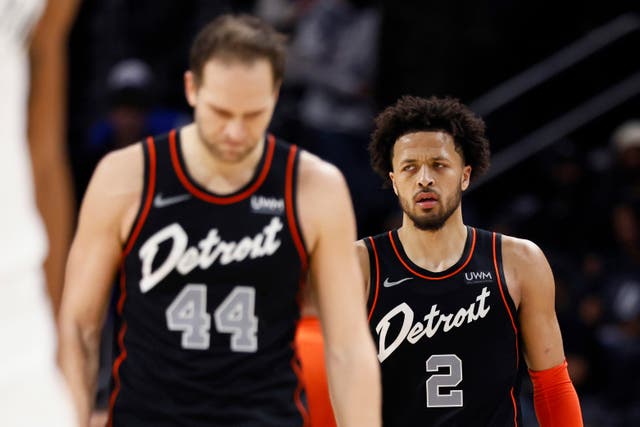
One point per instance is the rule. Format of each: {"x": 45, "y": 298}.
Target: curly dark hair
{"x": 413, "y": 114}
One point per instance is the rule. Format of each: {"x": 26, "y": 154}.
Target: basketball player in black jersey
{"x": 455, "y": 311}
{"x": 212, "y": 229}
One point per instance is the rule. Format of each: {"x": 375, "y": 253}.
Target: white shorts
{"x": 32, "y": 390}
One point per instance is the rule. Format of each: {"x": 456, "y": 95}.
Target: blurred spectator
{"x": 157, "y": 32}
{"x": 619, "y": 333}
{"x": 587, "y": 218}
{"x": 282, "y": 14}
{"x": 561, "y": 189}
{"x": 626, "y": 188}
{"x": 131, "y": 115}
{"x": 620, "y": 340}
{"x": 334, "y": 55}
{"x": 333, "y": 58}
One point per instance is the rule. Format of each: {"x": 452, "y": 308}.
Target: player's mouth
{"x": 233, "y": 143}
{"x": 426, "y": 199}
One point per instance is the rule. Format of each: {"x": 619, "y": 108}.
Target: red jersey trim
{"x": 151, "y": 188}
{"x": 297, "y": 394}
{"x": 377, "y": 278}
{"x": 220, "y": 200}
{"x": 504, "y": 299}
{"x": 116, "y": 372}
{"x": 304, "y": 262}
{"x": 290, "y": 208}
{"x": 515, "y": 408}
{"x": 453, "y": 273}
{"x": 513, "y": 323}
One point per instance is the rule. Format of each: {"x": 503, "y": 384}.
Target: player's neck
{"x": 435, "y": 250}
{"x": 215, "y": 174}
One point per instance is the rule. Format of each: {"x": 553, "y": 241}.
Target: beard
{"x": 432, "y": 221}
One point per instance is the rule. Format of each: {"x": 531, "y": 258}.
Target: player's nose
{"x": 236, "y": 130}
{"x": 424, "y": 176}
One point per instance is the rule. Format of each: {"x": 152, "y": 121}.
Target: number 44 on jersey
{"x": 235, "y": 316}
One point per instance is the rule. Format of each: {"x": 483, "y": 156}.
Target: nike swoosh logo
{"x": 161, "y": 202}
{"x": 387, "y": 283}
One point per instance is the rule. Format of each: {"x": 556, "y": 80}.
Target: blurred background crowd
{"x": 557, "y": 84}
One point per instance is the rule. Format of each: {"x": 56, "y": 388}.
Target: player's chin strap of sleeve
{"x": 554, "y": 397}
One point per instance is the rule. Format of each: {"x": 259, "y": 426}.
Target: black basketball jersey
{"x": 208, "y": 301}
{"x": 447, "y": 341}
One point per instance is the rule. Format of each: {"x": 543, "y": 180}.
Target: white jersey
{"x": 32, "y": 392}
{"x": 22, "y": 235}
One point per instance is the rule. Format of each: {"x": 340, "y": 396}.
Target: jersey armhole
{"x": 374, "y": 275}
{"x": 290, "y": 192}
{"x": 510, "y": 308}
{"x": 148, "y": 190}
{"x": 499, "y": 268}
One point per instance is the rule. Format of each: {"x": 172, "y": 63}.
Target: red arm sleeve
{"x": 310, "y": 348}
{"x": 555, "y": 399}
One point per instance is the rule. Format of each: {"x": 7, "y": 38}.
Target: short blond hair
{"x": 243, "y": 38}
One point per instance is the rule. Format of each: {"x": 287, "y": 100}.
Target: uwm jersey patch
{"x": 447, "y": 341}
{"x": 208, "y": 298}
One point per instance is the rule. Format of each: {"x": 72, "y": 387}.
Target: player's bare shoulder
{"x": 120, "y": 171}
{"x": 525, "y": 266}
{"x": 317, "y": 174}
{"x": 116, "y": 186}
{"x": 361, "y": 249}
{"x": 323, "y": 195}
{"x": 322, "y": 187}
{"x": 519, "y": 251}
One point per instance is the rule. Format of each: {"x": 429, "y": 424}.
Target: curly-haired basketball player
{"x": 456, "y": 311}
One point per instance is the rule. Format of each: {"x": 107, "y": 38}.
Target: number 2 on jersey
{"x": 436, "y": 398}
{"x": 235, "y": 316}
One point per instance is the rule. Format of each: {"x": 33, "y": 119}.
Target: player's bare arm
{"x": 328, "y": 227}
{"x": 309, "y": 306}
{"x": 107, "y": 212}
{"x": 532, "y": 287}
{"x": 47, "y": 137}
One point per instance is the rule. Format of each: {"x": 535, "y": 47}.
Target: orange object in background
{"x": 310, "y": 347}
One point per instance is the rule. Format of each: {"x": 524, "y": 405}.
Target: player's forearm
{"x": 56, "y": 209}
{"x": 47, "y": 137}
{"x": 354, "y": 383}
{"x": 78, "y": 358}
{"x": 555, "y": 399}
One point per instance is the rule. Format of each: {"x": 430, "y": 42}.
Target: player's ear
{"x": 190, "y": 87}
{"x": 466, "y": 177}
{"x": 393, "y": 183}
{"x": 276, "y": 88}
